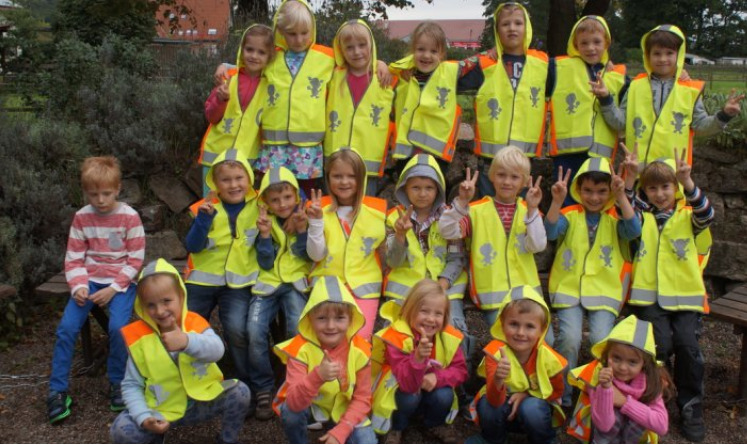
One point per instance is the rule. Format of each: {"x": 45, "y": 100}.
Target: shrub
{"x": 735, "y": 134}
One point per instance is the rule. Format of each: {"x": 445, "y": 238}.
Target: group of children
{"x": 292, "y": 112}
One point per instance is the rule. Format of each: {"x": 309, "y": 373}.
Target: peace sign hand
{"x": 264, "y": 225}
{"x": 403, "y": 224}
{"x": 467, "y": 188}
{"x": 617, "y": 185}
{"x": 732, "y": 106}
{"x": 299, "y": 220}
{"x": 534, "y": 195}
{"x": 598, "y": 88}
{"x": 683, "y": 170}
{"x": 315, "y": 209}
{"x": 559, "y": 190}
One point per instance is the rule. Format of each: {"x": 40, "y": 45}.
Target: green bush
{"x": 735, "y": 134}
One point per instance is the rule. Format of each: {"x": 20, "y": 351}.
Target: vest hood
{"x": 518, "y": 293}
{"x": 571, "y": 49}
{"x": 425, "y": 166}
{"x": 279, "y": 39}
{"x": 593, "y": 165}
{"x": 232, "y": 155}
{"x": 337, "y": 44}
{"x": 160, "y": 266}
{"x": 329, "y": 289}
{"x": 680, "y": 51}
{"x": 631, "y": 331}
{"x": 239, "y": 59}
{"x": 276, "y": 176}
{"x": 527, "y": 27}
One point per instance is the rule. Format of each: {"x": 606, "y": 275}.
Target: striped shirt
{"x": 702, "y": 217}
{"x": 104, "y": 248}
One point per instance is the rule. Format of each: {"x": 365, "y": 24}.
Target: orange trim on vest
{"x": 641, "y": 76}
{"x": 538, "y": 54}
{"x": 295, "y": 346}
{"x": 451, "y": 330}
{"x": 327, "y": 51}
{"x": 486, "y": 62}
{"x": 557, "y": 355}
{"x": 620, "y": 69}
{"x": 195, "y": 323}
{"x": 571, "y": 208}
{"x": 362, "y": 344}
{"x": 375, "y": 203}
{"x": 326, "y": 200}
{"x": 135, "y": 331}
{"x": 394, "y": 338}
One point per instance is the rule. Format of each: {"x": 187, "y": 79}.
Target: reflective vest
{"x": 419, "y": 265}
{"x": 596, "y": 276}
{"x": 365, "y": 127}
{"x": 238, "y": 129}
{"x": 292, "y": 111}
{"x": 354, "y": 257}
{"x": 507, "y": 117}
{"x": 657, "y": 135}
{"x": 429, "y": 118}
{"x": 668, "y": 267}
{"x": 498, "y": 262}
{"x": 288, "y": 268}
{"x": 333, "y": 397}
{"x": 399, "y": 336}
{"x": 226, "y": 261}
{"x": 169, "y": 384}
{"x": 576, "y": 122}
{"x": 549, "y": 364}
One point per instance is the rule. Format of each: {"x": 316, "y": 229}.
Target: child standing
{"x": 419, "y": 361}
{"x": 591, "y": 271}
{"x": 345, "y": 231}
{"x": 524, "y": 376}
{"x": 329, "y": 369}
{"x": 623, "y": 390}
{"x": 222, "y": 261}
{"x": 499, "y": 259}
{"x": 234, "y": 108}
{"x": 171, "y": 377}
{"x": 282, "y": 283}
{"x": 105, "y": 251}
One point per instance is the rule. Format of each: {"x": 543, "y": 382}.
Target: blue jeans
{"x": 262, "y": 311}
{"x": 295, "y": 423}
{"x": 534, "y": 417}
{"x": 568, "y": 342}
{"x": 434, "y": 405}
{"x": 234, "y": 307}
{"x": 120, "y": 311}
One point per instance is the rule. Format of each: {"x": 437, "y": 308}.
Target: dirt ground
{"x": 24, "y": 373}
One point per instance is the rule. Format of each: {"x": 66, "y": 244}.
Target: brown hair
{"x": 525, "y": 306}
{"x": 414, "y": 300}
{"x": 590, "y": 24}
{"x": 157, "y": 283}
{"x": 664, "y": 39}
{"x": 100, "y": 171}
{"x": 278, "y": 187}
{"x": 335, "y": 307}
{"x": 352, "y": 158}
{"x": 596, "y": 177}
{"x": 431, "y": 30}
{"x": 658, "y": 380}
{"x": 657, "y": 173}
{"x": 265, "y": 32}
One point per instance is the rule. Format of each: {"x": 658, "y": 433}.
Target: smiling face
{"x": 232, "y": 182}
{"x": 594, "y": 196}
{"x": 162, "y": 300}
{"x": 281, "y": 203}
{"x": 427, "y": 54}
{"x": 626, "y": 361}
{"x": 330, "y": 324}
{"x": 430, "y": 317}
{"x": 255, "y": 54}
{"x": 663, "y": 62}
{"x": 342, "y": 182}
{"x": 511, "y": 28}
{"x": 508, "y": 183}
{"x": 422, "y": 193}
{"x": 591, "y": 45}
{"x": 522, "y": 330}
{"x": 357, "y": 53}
{"x": 662, "y": 195}
{"x": 103, "y": 198}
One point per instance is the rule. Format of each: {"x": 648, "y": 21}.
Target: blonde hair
{"x": 265, "y": 32}
{"x": 352, "y": 158}
{"x": 511, "y": 158}
{"x": 431, "y": 30}
{"x": 157, "y": 284}
{"x": 590, "y": 24}
{"x": 293, "y": 14}
{"x": 525, "y": 306}
{"x": 100, "y": 171}
{"x": 414, "y": 300}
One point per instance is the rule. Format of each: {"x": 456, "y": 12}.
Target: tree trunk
{"x": 254, "y": 10}
{"x": 562, "y": 18}
{"x": 596, "y": 7}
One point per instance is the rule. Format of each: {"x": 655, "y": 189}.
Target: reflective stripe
{"x": 640, "y": 335}
{"x": 451, "y": 416}
{"x": 601, "y": 150}
{"x": 516, "y": 293}
{"x": 381, "y": 424}
{"x": 318, "y": 413}
{"x": 372, "y": 166}
{"x": 150, "y": 269}
{"x": 457, "y": 289}
{"x": 601, "y": 301}
{"x": 334, "y": 293}
{"x": 275, "y": 135}
{"x": 232, "y": 155}
{"x": 209, "y": 157}
{"x": 595, "y": 165}
{"x": 206, "y": 278}
{"x": 643, "y": 295}
{"x": 275, "y": 176}
{"x": 397, "y": 288}
{"x": 562, "y": 299}
{"x": 674, "y": 302}
{"x": 581, "y": 141}
{"x": 426, "y": 141}
{"x": 232, "y": 278}
{"x": 493, "y": 149}
{"x": 305, "y": 136}
{"x": 263, "y": 289}
{"x": 492, "y": 298}
{"x": 367, "y": 289}
{"x": 301, "y": 284}
{"x": 403, "y": 150}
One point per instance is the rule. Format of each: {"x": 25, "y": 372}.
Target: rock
{"x": 172, "y": 192}
{"x": 164, "y": 245}
{"x": 130, "y": 192}
{"x": 466, "y": 133}
{"x": 727, "y": 180}
{"x": 463, "y": 157}
{"x": 716, "y": 154}
{"x": 153, "y": 217}
{"x": 728, "y": 260}
{"x": 193, "y": 178}
{"x": 734, "y": 201}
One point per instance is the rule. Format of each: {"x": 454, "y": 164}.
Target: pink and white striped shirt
{"x": 104, "y": 248}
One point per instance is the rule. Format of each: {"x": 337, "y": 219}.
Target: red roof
{"x": 209, "y": 21}
{"x": 455, "y": 30}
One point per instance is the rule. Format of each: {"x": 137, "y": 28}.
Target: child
{"x": 222, "y": 261}
{"x": 282, "y": 283}
{"x": 523, "y": 375}
{"x": 648, "y": 99}
{"x": 591, "y": 271}
{"x": 235, "y": 106}
{"x": 104, "y": 252}
{"x": 358, "y": 107}
{"x": 621, "y": 399}
{"x": 345, "y": 231}
{"x": 329, "y": 369}
{"x": 668, "y": 288}
{"x": 171, "y": 377}
{"x": 419, "y": 361}
{"x": 499, "y": 259}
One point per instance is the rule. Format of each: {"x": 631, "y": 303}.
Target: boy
{"x": 282, "y": 283}
{"x": 647, "y": 115}
{"x": 524, "y": 376}
{"x": 590, "y": 273}
{"x": 159, "y": 394}
{"x": 105, "y": 251}
{"x": 499, "y": 259}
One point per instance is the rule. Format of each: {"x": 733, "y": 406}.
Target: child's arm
{"x": 396, "y": 241}
{"x": 453, "y": 375}
{"x": 555, "y": 223}
{"x": 653, "y": 416}
{"x": 497, "y": 371}
{"x": 315, "y": 243}
{"x": 217, "y": 102}
{"x": 358, "y": 409}
{"x": 456, "y": 258}
{"x": 135, "y": 248}
{"x": 408, "y": 371}
{"x": 303, "y": 386}
{"x": 450, "y": 222}
{"x": 197, "y": 237}
{"x": 536, "y": 239}
{"x": 613, "y": 115}
{"x": 703, "y": 214}
{"x": 263, "y": 244}
{"x": 602, "y": 408}
{"x": 76, "y": 272}
{"x": 629, "y": 227}
{"x": 133, "y": 393}
{"x": 707, "y": 125}
{"x": 206, "y": 346}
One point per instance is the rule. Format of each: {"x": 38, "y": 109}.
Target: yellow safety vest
{"x": 508, "y": 117}
{"x": 576, "y": 123}
{"x": 596, "y": 276}
{"x": 292, "y": 111}
{"x": 498, "y": 262}
{"x": 288, "y": 268}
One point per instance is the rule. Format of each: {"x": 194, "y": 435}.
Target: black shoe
{"x": 58, "y": 406}
{"x": 693, "y": 429}
{"x": 264, "y": 407}
{"x": 116, "y": 402}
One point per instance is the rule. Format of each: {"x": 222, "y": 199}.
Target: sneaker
{"x": 264, "y": 406}
{"x": 394, "y": 437}
{"x": 443, "y": 434}
{"x": 116, "y": 402}
{"x": 314, "y": 426}
{"x": 58, "y": 406}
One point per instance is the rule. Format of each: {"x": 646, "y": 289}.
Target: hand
{"x": 264, "y": 224}
{"x": 207, "y": 205}
{"x": 559, "y": 190}
{"x": 605, "y": 377}
{"x": 534, "y": 195}
{"x": 223, "y": 92}
{"x": 515, "y": 401}
{"x": 617, "y": 184}
{"x": 156, "y": 426}
{"x": 403, "y": 224}
{"x": 425, "y": 347}
{"x": 429, "y": 382}
{"x": 173, "y": 338}
{"x": 444, "y": 283}
{"x": 80, "y": 296}
{"x": 220, "y": 75}
{"x": 683, "y": 170}
{"x": 685, "y": 76}
{"x": 503, "y": 370}
{"x": 630, "y": 163}
{"x": 328, "y": 438}
{"x": 732, "y": 106}
{"x": 315, "y": 209}
{"x": 467, "y": 188}
{"x": 329, "y": 370}
{"x": 103, "y": 296}
{"x": 618, "y": 399}
{"x": 299, "y": 220}
{"x": 598, "y": 88}
{"x": 384, "y": 75}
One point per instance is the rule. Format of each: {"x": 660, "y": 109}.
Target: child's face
{"x": 330, "y": 326}
{"x": 255, "y": 54}
{"x": 508, "y": 184}
{"x": 591, "y": 45}
{"x": 662, "y": 196}
{"x": 281, "y": 203}
{"x": 343, "y": 183}
{"x": 102, "y": 198}
{"x": 298, "y": 38}
{"x": 427, "y": 54}
{"x": 626, "y": 362}
{"x": 421, "y": 192}
{"x": 594, "y": 196}
{"x": 232, "y": 182}
{"x": 663, "y": 61}
{"x": 511, "y": 28}
{"x": 357, "y": 52}
{"x": 522, "y": 331}
{"x": 163, "y": 303}
{"x": 430, "y": 317}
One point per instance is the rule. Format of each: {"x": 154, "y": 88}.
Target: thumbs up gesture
{"x": 263, "y": 223}
{"x": 425, "y": 347}
{"x": 328, "y": 369}
{"x": 503, "y": 370}
{"x": 172, "y": 336}
{"x": 605, "y": 377}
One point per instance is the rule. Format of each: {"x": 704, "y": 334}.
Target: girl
{"x": 340, "y": 245}
{"x": 624, "y": 389}
{"x": 358, "y": 107}
{"x": 235, "y": 106}
{"x": 418, "y": 361}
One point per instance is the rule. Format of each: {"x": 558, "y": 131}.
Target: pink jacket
{"x": 216, "y": 108}
{"x": 652, "y": 416}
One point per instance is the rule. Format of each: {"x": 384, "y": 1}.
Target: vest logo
{"x": 521, "y": 244}
{"x": 641, "y": 252}
{"x": 573, "y": 103}
{"x": 334, "y": 121}
{"x": 390, "y": 382}
{"x": 488, "y": 254}
{"x": 228, "y": 125}
{"x": 159, "y": 393}
{"x": 679, "y": 122}
{"x": 368, "y": 245}
{"x": 200, "y": 369}
{"x": 638, "y": 127}
{"x": 272, "y": 95}
{"x": 680, "y": 248}
{"x": 375, "y": 114}
{"x": 534, "y": 95}
{"x": 443, "y": 96}
{"x": 606, "y": 255}
{"x": 495, "y": 108}
{"x": 328, "y": 261}
{"x": 568, "y": 261}
{"x": 315, "y": 87}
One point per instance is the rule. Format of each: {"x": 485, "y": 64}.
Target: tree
{"x": 259, "y": 10}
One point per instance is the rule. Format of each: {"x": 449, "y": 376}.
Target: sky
{"x": 439, "y": 9}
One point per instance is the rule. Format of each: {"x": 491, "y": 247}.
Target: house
{"x": 208, "y": 23}
{"x": 732, "y": 61}
{"x": 459, "y": 33}
{"x": 694, "y": 59}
